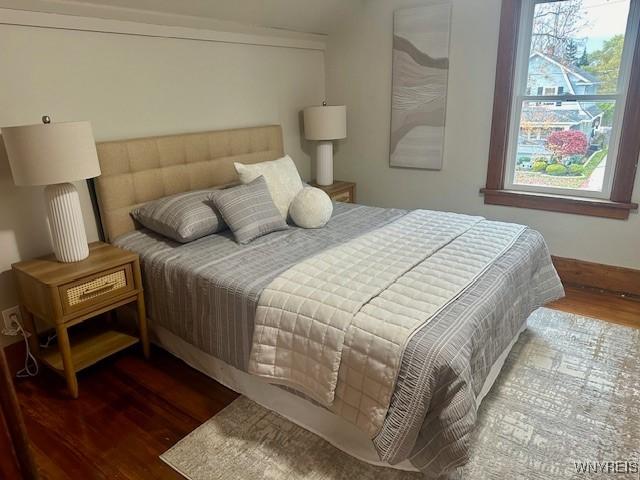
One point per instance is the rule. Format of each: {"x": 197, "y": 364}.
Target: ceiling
{"x": 309, "y": 16}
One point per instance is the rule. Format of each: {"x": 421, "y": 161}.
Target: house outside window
{"x": 570, "y": 72}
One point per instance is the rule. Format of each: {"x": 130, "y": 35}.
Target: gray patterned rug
{"x": 569, "y": 392}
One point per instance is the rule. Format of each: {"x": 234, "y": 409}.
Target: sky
{"x": 606, "y": 18}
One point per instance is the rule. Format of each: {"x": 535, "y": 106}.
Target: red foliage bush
{"x": 568, "y": 142}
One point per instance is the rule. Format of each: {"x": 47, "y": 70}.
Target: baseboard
{"x": 597, "y": 275}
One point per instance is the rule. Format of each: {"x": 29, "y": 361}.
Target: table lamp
{"x": 325, "y": 123}
{"x": 54, "y": 154}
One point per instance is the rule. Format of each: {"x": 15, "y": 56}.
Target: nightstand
{"x": 64, "y": 295}
{"x": 339, "y": 191}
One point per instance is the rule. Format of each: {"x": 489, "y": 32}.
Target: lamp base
{"x": 324, "y": 163}
{"x": 65, "y": 221}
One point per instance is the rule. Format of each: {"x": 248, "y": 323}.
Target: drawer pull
{"x": 99, "y": 288}
{"x": 84, "y": 291}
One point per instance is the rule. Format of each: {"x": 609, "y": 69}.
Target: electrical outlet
{"x": 11, "y": 319}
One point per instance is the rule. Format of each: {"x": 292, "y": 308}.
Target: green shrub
{"x": 556, "y": 169}
{"x": 539, "y": 166}
{"x": 576, "y": 169}
{"x": 575, "y": 160}
{"x": 540, "y": 159}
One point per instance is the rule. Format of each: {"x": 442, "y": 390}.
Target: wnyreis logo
{"x": 627, "y": 467}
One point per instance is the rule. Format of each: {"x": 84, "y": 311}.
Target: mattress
{"x": 206, "y": 293}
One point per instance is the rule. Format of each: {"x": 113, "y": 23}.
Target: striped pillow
{"x": 248, "y": 210}
{"x": 183, "y": 217}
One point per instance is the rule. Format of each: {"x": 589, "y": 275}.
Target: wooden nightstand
{"x": 339, "y": 191}
{"x": 67, "y": 294}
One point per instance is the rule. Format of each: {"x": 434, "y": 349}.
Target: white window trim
{"x": 519, "y": 96}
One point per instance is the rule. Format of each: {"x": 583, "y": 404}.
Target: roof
{"x": 558, "y": 116}
{"x": 582, "y": 74}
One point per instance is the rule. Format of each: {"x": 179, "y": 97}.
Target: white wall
{"x": 358, "y": 66}
{"x": 131, "y": 86}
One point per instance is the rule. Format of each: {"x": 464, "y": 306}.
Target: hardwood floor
{"x": 130, "y": 410}
{"x": 595, "y": 303}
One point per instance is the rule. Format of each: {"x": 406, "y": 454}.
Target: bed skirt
{"x": 335, "y": 430}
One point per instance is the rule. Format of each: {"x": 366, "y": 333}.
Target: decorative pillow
{"x": 311, "y": 208}
{"x": 248, "y": 210}
{"x": 183, "y": 217}
{"x": 282, "y": 178}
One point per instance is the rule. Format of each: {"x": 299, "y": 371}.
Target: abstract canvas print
{"x": 419, "y": 92}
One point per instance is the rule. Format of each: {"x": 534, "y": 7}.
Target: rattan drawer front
{"x": 93, "y": 290}
{"x": 344, "y": 197}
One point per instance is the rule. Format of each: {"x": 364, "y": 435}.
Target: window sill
{"x": 559, "y": 203}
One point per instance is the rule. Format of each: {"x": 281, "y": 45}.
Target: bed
{"x": 428, "y": 337}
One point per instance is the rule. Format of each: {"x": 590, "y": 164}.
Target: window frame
{"x": 521, "y": 96}
{"x": 615, "y": 202}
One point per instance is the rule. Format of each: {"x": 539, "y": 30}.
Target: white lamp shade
{"x": 325, "y": 122}
{"x": 52, "y": 153}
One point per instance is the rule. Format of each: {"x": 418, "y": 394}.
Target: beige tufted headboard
{"x": 143, "y": 169}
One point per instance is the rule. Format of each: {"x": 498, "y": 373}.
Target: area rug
{"x": 566, "y": 402}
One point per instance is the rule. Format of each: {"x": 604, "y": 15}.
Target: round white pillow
{"x": 311, "y": 208}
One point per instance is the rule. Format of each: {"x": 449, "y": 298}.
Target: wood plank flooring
{"x": 595, "y": 303}
{"x": 130, "y": 411}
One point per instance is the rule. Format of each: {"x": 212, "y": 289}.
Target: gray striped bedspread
{"x": 207, "y": 292}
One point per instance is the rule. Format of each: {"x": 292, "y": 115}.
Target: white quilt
{"x": 334, "y": 326}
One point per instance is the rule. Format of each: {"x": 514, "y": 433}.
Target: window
{"x": 566, "y": 107}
